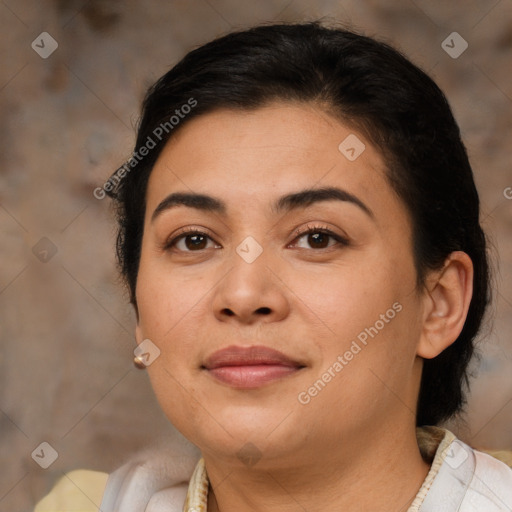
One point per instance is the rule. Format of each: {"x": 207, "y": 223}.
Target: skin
{"x": 353, "y": 446}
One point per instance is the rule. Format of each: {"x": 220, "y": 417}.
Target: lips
{"x": 250, "y": 367}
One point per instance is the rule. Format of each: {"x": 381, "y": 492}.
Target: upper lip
{"x": 248, "y": 356}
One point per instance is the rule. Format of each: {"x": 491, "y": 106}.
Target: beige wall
{"x": 67, "y": 121}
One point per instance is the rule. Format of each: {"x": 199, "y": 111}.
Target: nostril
{"x": 265, "y": 311}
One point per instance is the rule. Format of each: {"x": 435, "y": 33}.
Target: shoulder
{"x": 504, "y": 456}
{"x": 472, "y": 478}
{"x": 157, "y": 474}
{"x": 487, "y": 480}
{"x": 492, "y": 480}
{"x": 77, "y": 490}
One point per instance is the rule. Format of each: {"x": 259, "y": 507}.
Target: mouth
{"x": 250, "y": 367}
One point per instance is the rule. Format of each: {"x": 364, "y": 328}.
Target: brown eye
{"x": 193, "y": 242}
{"x": 320, "y": 238}
{"x": 190, "y": 241}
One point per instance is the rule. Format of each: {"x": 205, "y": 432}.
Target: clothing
{"x": 78, "y": 490}
{"x": 460, "y": 479}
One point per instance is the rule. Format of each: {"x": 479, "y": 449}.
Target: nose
{"x": 251, "y": 292}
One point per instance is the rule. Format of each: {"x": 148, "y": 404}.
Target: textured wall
{"x": 67, "y": 121}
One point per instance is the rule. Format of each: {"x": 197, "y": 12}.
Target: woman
{"x": 299, "y": 232}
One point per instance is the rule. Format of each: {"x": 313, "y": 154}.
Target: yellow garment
{"x": 76, "y": 491}
{"x": 82, "y": 491}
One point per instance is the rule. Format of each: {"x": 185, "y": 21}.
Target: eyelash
{"x": 309, "y": 229}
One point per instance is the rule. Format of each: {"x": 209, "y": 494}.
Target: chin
{"x": 231, "y": 427}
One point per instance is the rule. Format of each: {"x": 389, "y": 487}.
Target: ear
{"x": 446, "y": 302}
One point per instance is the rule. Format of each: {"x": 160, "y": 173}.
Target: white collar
{"x": 461, "y": 480}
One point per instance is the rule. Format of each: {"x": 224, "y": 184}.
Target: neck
{"x": 385, "y": 475}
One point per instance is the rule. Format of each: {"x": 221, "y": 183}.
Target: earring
{"x": 138, "y": 363}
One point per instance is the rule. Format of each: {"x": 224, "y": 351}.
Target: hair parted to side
{"x": 372, "y": 88}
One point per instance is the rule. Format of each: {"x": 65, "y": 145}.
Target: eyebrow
{"x": 286, "y": 203}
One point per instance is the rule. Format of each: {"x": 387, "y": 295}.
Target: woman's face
{"x": 339, "y": 304}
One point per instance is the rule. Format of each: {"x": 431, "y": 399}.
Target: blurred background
{"x": 72, "y": 75}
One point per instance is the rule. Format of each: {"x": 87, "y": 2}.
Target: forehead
{"x": 252, "y": 157}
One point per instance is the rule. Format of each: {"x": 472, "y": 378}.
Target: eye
{"x": 194, "y": 240}
{"x": 190, "y": 241}
{"x": 319, "y": 237}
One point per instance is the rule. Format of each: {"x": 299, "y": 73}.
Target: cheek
{"x": 166, "y": 300}
{"x": 349, "y": 299}
{"x": 371, "y": 312}
{"x": 170, "y": 316}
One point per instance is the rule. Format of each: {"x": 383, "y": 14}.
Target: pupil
{"x": 319, "y": 239}
{"x": 197, "y": 243}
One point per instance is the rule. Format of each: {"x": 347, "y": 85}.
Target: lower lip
{"x": 252, "y": 376}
